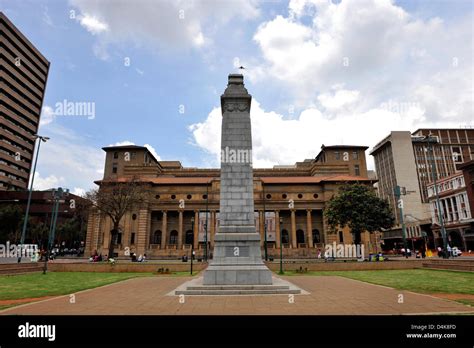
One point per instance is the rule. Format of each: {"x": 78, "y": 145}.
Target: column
{"x": 293, "y": 229}
{"x": 261, "y": 222}
{"x": 142, "y": 233}
{"x": 90, "y": 236}
{"x": 309, "y": 228}
{"x": 324, "y": 234}
{"x": 196, "y": 229}
{"x": 164, "y": 227}
{"x": 180, "y": 230}
{"x": 277, "y": 229}
{"x": 212, "y": 228}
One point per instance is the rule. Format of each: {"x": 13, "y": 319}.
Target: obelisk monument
{"x": 237, "y": 256}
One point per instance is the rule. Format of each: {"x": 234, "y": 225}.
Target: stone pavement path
{"x": 327, "y": 295}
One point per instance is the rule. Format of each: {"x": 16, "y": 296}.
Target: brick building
{"x": 163, "y": 228}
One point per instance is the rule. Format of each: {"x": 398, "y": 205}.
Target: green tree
{"x": 10, "y": 218}
{"x": 358, "y": 207}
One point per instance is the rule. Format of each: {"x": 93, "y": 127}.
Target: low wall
{"x": 346, "y": 266}
{"x": 452, "y": 264}
{"x": 198, "y": 266}
{"x": 124, "y": 267}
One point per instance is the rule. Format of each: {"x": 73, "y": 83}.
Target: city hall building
{"x": 181, "y": 211}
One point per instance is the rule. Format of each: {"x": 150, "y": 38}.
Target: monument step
{"x": 239, "y": 292}
{"x": 239, "y": 287}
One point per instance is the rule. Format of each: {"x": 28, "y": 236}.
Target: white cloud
{"x": 277, "y": 140}
{"x": 371, "y": 46}
{"x": 78, "y": 191}
{"x": 49, "y": 182}
{"x": 341, "y": 98}
{"x": 153, "y": 151}
{"x": 164, "y": 24}
{"x": 93, "y": 24}
{"x": 123, "y": 143}
{"x": 67, "y": 161}
{"x": 47, "y": 115}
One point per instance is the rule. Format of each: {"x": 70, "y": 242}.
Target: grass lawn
{"x": 57, "y": 283}
{"x": 417, "y": 280}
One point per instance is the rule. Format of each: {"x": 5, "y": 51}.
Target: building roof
{"x": 130, "y": 147}
{"x": 164, "y": 180}
{"x": 323, "y": 147}
{"x": 311, "y": 179}
{"x": 436, "y": 129}
{"x": 121, "y": 147}
{"x": 267, "y": 180}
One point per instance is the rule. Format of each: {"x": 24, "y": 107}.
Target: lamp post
{"x": 30, "y": 190}
{"x": 438, "y": 203}
{"x": 192, "y": 246}
{"x": 58, "y": 195}
{"x": 281, "y": 248}
{"x": 398, "y": 192}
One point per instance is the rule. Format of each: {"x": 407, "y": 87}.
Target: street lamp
{"x": 58, "y": 195}
{"x": 281, "y": 248}
{"x": 398, "y": 192}
{"x": 192, "y": 247}
{"x": 25, "y": 222}
{"x": 434, "y": 175}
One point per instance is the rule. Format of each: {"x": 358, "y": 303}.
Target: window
{"x": 457, "y": 154}
{"x": 132, "y": 238}
{"x": 174, "y": 237}
{"x": 355, "y": 155}
{"x": 357, "y": 170}
{"x": 114, "y": 168}
{"x": 157, "y": 237}
{"x": 316, "y": 236}
{"x": 115, "y": 155}
{"x": 337, "y": 155}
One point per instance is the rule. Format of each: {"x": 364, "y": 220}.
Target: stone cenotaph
{"x": 237, "y": 256}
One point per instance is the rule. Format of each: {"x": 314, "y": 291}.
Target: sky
{"x": 320, "y": 72}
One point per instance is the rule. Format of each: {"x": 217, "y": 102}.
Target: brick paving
{"x": 327, "y": 295}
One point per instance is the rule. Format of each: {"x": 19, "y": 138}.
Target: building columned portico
{"x": 288, "y": 202}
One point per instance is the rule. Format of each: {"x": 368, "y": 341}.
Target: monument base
{"x": 237, "y": 260}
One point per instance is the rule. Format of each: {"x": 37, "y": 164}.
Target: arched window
{"x": 284, "y": 237}
{"x": 316, "y": 236}
{"x": 189, "y": 237}
{"x": 174, "y": 237}
{"x": 157, "y": 237}
{"x": 299, "y": 236}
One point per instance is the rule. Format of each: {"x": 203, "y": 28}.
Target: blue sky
{"x": 320, "y": 73}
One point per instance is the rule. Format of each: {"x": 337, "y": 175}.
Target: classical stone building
{"x": 289, "y": 203}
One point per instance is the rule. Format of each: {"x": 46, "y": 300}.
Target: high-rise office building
{"x": 406, "y": 159}
{"x": 23, "y": 75}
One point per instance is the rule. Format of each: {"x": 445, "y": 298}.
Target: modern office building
{"x": 23, "y": 75}
{"x": 406, "y": 159}
{"x": 289, "y": 203}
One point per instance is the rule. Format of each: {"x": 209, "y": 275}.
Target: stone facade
{"x": 163, "y": 227}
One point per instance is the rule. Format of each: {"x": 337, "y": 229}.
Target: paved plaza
{"x": 325, "y": 295}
